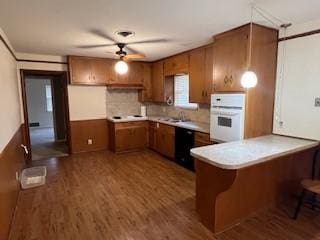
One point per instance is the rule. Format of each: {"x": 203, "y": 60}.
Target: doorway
{"x": 46, "y": 114}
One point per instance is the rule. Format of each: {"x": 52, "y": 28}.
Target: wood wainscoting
{"x": 82, "y": 130}
{"x": 11, "y": 161}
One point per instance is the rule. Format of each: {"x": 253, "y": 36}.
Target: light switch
{"x": 317, "y": 102}
{"x": 89, "y": 141}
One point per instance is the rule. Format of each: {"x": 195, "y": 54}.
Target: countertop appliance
{"x": 184, "y": 140}
{"x": 227, "y": 117}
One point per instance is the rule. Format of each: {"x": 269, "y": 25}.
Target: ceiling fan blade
{"x": 134, "y": 56}
{"x": 102, "y": 34}
{"x": 97, "y": 46}
{"x": 149, "y": 41}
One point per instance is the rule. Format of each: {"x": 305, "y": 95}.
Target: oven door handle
{"x": 227, "y": 113}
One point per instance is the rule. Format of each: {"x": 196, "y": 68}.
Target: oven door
{"x": 226, "y": 124}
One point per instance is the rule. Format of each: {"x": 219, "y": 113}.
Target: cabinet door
{"x": 208, "y": 76}
{"x": 157, "y": 81}
{"x": 135, "y": 73}
{"x": 197, "y": 76}
{"x": 166, "y": 140}
{"x": 100, "y": 71}
{"x": 139, "y": 137}
{"x": 230, "y": 60}
{"x": 145, "y": 95}
{"x": 123, "y": 139}
{"x": 176, "y": 64}
{"x": 80, "y": 70}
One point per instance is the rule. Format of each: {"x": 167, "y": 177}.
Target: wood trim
{"x": 26, "y": 132}
{"x": 124, "y": 86}
{"x": 27, "y": 60}
{"x": 11, "y": 161}
{"x": 41, "y": 61}
{"x": 317, "y": 31}
{"x": 7, "y": 46}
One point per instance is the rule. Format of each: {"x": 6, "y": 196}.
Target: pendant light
{"x": 249, "y": 78}
{"x": 121, "y": 67}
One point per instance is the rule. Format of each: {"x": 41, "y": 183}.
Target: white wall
{"x": 37, "y": 102}
{"x": 9, "y": 96}
{"x": 299, "y": 84}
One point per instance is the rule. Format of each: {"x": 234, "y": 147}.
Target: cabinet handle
{"x": 225, "y": 80}
{"x": 206, "y": 94}
{"x": 231, "y": 80}
{"x": 202, "y": 93}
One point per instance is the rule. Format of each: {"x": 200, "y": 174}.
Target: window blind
{"x": 181, "y": 92}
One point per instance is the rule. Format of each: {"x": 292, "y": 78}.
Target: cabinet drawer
{"x": 203, "y": 138}
{"x": 167, "y": 128}
{"x": 130, "y": 124}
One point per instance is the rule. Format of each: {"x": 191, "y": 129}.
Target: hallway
{"x": 43, "y": 144}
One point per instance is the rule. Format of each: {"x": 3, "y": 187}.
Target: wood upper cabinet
{"x": 88, "y": 71}
{"x": 157, "y": 79}
{"x": 135, "y": 73}
{"x": 145, "y": 95}
{"x": 128, "y": 136}
{"x": 176, "y": 64}
{"x": 230, "y": 59}
{"x": 100, "y": 71}
{"x": 200, "y": 74}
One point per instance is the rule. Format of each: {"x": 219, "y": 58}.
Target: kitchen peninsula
{"x": 235, "y": 179}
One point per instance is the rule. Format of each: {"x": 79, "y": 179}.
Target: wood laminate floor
{"x": 136, "y": 196}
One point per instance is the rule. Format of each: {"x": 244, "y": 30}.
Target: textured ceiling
{"x": 57, "y": 27}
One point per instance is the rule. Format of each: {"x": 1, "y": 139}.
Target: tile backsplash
{"x": 124, "y": 102}
{"x": 202, "y": 114}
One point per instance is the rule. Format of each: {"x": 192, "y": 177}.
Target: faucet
{"x": 182, "y": 116}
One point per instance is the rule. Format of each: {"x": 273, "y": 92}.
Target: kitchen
{"x": 205, "y": 121}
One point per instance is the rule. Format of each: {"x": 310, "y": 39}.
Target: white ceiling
{"x": 57, "y": 27}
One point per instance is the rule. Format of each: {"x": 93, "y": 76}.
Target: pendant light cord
{"x": 281, "y": 78}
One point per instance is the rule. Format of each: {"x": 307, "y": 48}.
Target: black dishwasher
{"x": 184, "y": 142}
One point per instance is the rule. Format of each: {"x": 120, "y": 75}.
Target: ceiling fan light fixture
{"x": 121, "y": 67}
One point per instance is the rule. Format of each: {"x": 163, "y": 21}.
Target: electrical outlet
{"x": 317, "y": 102}
{"x": 89, "y": 141}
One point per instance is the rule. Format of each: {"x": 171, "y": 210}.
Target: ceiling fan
{"x": 123, "y": 54}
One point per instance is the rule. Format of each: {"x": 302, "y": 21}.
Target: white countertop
{"x": 240, "y": 154}
{"x": 127, "y": 119}
{"x": 191, "y": 125}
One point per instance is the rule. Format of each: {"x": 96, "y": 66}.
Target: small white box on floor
{"x": 33, "y": 177}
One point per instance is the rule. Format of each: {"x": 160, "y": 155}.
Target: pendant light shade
{"x": 121, "y": 67}
{"x": 249, "y": 79}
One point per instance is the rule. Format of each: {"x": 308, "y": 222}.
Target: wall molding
{"x": 27, "y": 60}
{"x": 317, "y": 31}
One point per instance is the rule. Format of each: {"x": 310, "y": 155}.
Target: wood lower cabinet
{"x": 162, "y": 139}
{"x": 202, "y": 139}
{"x": 201, "y": 74}
{"x": 128, "y": 136}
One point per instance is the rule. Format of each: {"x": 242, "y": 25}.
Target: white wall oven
{"x": 227, "y": 116}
